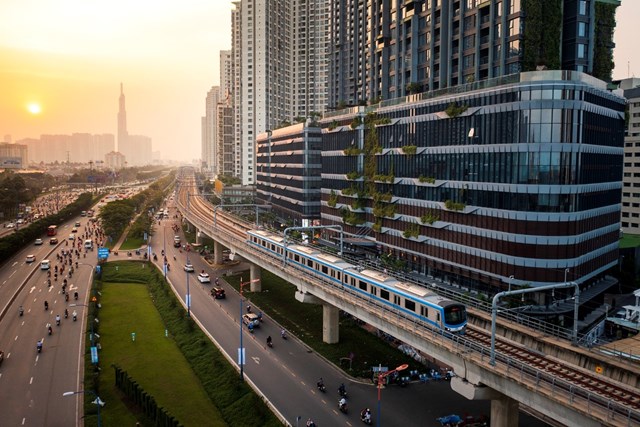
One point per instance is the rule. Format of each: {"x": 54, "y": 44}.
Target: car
{"x": 38, "y": 242}
{"x": 251, "y": 320}
{"x": 20, "y": 221}
{"x": 204, "y": 278}
{"x": 53, "y": 241}
{"x": 188, "y": 268}
{"x": 218, "y": 293}
{"x": 10, "y": 225}
{"x": 74, "y": 230}
{"x": 77, "y": 224}
{"x": 30, "y": 258}
{"x": 72, "y": 236}
{"x": 45, "y": 264}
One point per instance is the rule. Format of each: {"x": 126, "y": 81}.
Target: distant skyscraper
{"x": 210, "y": 130}
{"x": 122, "y": 121}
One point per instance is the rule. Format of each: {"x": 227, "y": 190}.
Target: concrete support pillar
{"x": 255, "y": 274}
{"x": 198, "y": 236}
{"x": 217, "y": 252}
{"x": 504, "y": 412}
{"x": 330, "y": 324}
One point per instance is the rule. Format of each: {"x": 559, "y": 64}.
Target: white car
{"x": 38, "y": 242}
{"x": 204, "y": 278}
{"x": 30, "y": 259}
{"x": 188, "y": 268}
{"x": 10, "y": 225}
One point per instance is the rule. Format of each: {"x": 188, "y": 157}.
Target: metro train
{"x": 412, "y": 300}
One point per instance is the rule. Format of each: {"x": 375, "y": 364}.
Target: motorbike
{"x": 365, "y": 417}
{"x": 46, "y": 306}
{"x": 269, "y": 342}
{"x": 75, "y": 295}
{"x": 66, "y": 297}
{"x": 342, "y": 391}
{"x": 58, "y": 320}
{"x": 74, "y": 315}
{"x": 342, "y": 405}
{"x": 50, "y": 329}
{"x": 39, "y": 346}
{"x": 21, "y": 311}
{"x": 155, "y": 257}
{"x": 321, "y": 387}
{"x": 66, "y": 313}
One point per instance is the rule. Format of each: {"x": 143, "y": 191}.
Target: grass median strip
{"x": 183, "y": 371}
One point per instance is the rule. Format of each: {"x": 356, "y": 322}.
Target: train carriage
{"x": 413, "y": 300}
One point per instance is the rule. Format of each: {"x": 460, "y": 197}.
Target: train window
{"x": 410, "y": 305}
{"x": 424, "y": 311}
{"x": 362, "y": 285}
{"x": 396, "y": 299}
{"x": 296, "y": 257}
{"x": 384, "y": 294}
{"x": 310, "y": 263}
{"x": 339, "y": 275}
{"x": 324, "y": 269}
{"x": 346, "y": 279}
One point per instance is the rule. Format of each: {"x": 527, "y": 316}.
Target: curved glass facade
{"x": 472, "y": 172}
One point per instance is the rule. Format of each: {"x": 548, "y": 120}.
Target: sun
{"x": 34, "y": 108}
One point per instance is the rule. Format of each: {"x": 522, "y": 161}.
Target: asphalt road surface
{"x": 32, "y": 383}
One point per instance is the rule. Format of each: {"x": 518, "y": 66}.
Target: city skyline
{"x": 69, "y": 64}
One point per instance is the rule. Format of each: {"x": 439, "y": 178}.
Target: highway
{"x": 32, "y": 383}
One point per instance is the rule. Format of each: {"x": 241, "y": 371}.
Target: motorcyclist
{"x": 74, "y": 314}
{"x": 46, "y": 305}
{"x": 21, "y": 311}
{"x": 66, "y": 313}
{"x": 283, "y": 334}
{"x": 365, "y": 415}
{"x": 320, "y": 384}
{"x": 39, "y": 346}
{"x": 49, "y": 328}
{"x": 342, "y": 403}
{"x": 342, "y": 390}
{"x": 269, "y": 342}
{"x": 310, "y": 423}
{"x": 57, "y": 319}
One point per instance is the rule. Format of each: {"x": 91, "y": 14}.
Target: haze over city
{"x": 61, "y": 66}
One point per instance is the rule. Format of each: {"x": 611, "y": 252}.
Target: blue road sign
{"x": 103, "y": 253}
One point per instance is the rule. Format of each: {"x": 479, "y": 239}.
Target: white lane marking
{"x": 33, "y": 288}
{"x": 14, "y": 263}
{"x": 23, "y": 421}
{"x": 256, "y": 359}
{"x": 4, "y": 282}
{"x": 11, "y": 275}
{"x": 16, "y": 338}
{"x": 31, "y": 381}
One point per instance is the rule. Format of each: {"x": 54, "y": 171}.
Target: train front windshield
{"x": 455, "y": 315}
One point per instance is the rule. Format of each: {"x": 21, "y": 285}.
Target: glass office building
{"x": 513, "y": 179}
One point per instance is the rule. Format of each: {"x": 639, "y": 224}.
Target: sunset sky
{"x": 61, "y": 64}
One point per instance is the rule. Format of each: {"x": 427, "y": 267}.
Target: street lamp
{"x": 510, "y": 280}
{"x": 188, "y": 293}
{"x": 98, "y": 401}
{"x": 241, "y": 352}
{"x": 381, "y": 376}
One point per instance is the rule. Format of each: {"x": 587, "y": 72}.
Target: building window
{"x": 582, "y": 51}
{"x": 583, "y": 7}
{"x": 582, "y": 29}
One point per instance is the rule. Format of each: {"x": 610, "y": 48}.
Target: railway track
{"x": 606, "y": 389}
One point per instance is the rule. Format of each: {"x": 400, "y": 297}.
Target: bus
{"x": 52, "y": 230}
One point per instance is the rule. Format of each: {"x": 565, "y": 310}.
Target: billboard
{"x": 11, "y": 163}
